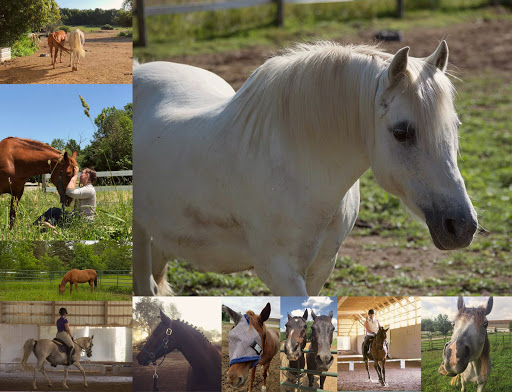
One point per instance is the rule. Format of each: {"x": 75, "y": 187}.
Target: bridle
{"x": 153, "y": 355}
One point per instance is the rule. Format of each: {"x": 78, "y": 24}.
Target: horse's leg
{"x": 253, "y": 373}
{"x": 76, "y": 286}
{"x": 378, "y": 370}
{"x": 311, "y": 379}
{"x": 55, "y": 56}
{"x": 39, "y": 363}
{"x": 143, "y": 282}
{"x": 265, "y": 374}
{"x": 66, "y": 376}
{"x": 368, "y": 370}
{"x": 91, "y": 282}
{"x": 70, "y": 287}
{"x": 77, "y": 364}
{"x": 17, "y": 192}
{"x": 322, "y": 381}
{"x": 45, "y": 376}
{"x": 281, "y": 277}
{"x": 384, "y": 371}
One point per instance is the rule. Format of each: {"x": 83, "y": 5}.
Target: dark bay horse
{"x": 75, "y": 276}
{"x": 295, "y": 343}
{"x": 56, "y": 40}
{"x": 204, "y": 358}
{"x": 21, "y": 159}
{"x": 267, "y": 346}
{"x": 466, "y": 357}
{"x": 320, "y": 357}
{"x": 378, "y": 353}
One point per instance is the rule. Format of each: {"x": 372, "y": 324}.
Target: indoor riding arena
{"x": 108, "y": 369}
{"x": 402, "y": 315}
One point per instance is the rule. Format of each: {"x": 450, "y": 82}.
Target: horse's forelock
{"x": 477, "y": 314}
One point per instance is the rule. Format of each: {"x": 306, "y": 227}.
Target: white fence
{"x": 107, "y": 174}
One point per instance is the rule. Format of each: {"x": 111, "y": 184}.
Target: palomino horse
{"x": 271, "y": 172}
{"x": 250, "y": 343}
{"x": 320, "y": 357}
{"x": 76, "y": 40}
{"x": 21, "y": 159}
{"x": 295, "y": 343}
{"x": 56, "y": 40}
{"x": 378, "y": 352}
{"x": 75, "y": 276}
{"x": 204, "y": 358}
{"x": 46, "y": 349}
{"x": 466, "y": 356}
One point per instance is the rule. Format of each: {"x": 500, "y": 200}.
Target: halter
{"x": 153, "y": 355}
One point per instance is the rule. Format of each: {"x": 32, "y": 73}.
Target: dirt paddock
{"x": 22, "y": 381}
{"x": 108, "y": 60}
{"x": 408, "y": 379}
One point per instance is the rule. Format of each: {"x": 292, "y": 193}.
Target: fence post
{"x": 279, "y": 14}
{"x": 141, "y": 23}
{"x": 400, "y": 9}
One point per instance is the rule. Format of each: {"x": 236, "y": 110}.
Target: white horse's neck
{"x": 315, "y": 110}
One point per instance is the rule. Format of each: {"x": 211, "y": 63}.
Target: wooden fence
{"x": 105, "y": 278}
{"x": 501, "y": 336}
{"x": 142, "y": 11}
{"x": 107, "y": 174}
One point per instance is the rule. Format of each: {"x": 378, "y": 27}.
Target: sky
{"x": 432, "y": 306}
{"x": 45, "y": 112}
{"x": 90, "y": 4}
{"x": 201, "y": 312}
{"x": 296, "y": 306}
{"x": 256, "y": 304}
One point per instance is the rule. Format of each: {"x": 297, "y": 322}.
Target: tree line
{"x": 63, "y": 255}
{"x": 96, "y": 17}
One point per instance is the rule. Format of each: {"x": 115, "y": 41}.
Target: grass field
{"x": 46, "y": 291}
{"x": 113, "y": 220}
{"x": 438, "y": 342}
{"x": 500, "y": 379}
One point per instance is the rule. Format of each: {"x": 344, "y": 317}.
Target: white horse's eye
{"x": 403, "y": 134}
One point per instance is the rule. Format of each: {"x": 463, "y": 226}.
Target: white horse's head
{"x": 414, "y": 149}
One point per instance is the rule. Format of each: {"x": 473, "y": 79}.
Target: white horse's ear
{"x": 439, "y": 58}
{"x": 398, "y": 65}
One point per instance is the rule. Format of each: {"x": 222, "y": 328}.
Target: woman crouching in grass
{"x": 84, "y": 206}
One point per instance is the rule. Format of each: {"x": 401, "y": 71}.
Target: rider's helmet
{"x": 371, "y": 311}
{"x": 63, "y": 311}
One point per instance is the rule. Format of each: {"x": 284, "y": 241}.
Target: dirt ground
{"x": 172, "y": 374}
{"x": 330, "y": 382}
{"x": 22, "y": 381}
{"x": 408, "y": 379}
{"x": 108, "y": 60}
{"x": 474, "y": 47}
{"x": 273, "y": 376}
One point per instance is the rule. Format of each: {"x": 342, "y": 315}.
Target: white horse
{"x": 46, "y": 349}
{"x": 76, "y": 41}
{"x": 268, "y": 177}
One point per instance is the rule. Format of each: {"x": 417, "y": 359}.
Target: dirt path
{"x": 172, "y": 374}
{"x": 108, "y": 60}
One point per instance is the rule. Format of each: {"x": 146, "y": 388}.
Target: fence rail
{"x": 306, "y": 371}
{"x": 142, "y": 11}
{"x": 100, "y": 174}
{"x": 105, "y": 278}
{"x": 433, "y": 343}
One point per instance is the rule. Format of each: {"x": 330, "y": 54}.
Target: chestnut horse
{"x": 75, "y": 276}
{"x": 56, "y": 40}
{"x": 21, "y": 159}
{"x": 204, "y": 358}
{"x": 378, "y": 352}
{"x": 295, "y": 344}
{"x": 266, "y": 347}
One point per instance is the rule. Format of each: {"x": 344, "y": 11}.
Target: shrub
{"x": 23, "y": 47}
{"x": 107, "y": 27}
{"x": 126, "y": 33}
{"x": 67, "y": 29}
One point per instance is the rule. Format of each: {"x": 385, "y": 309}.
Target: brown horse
{"x": 466, "y": 357}
{"x": 295, "y": 344}
{"x": 78, "y": 276}
{"x": 269, "y": 338}
{"x": 21, "y": 159}
{"x": 378, "y": 352}
{"x": 56, "y": 40}
{"x": 320, "y": 357}
{"x": 204, "y": 358}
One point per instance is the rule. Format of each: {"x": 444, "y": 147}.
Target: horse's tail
{"x": 164, "y": 288}
{"x": 76, "y": 44}
{"x": 58, "y": 44}
{"x": 96, "y": 281}
{"x": 455, "y": 380}
{"x": 28, "y": 347}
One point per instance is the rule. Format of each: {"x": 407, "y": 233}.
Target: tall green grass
{"x": 113, "y": 219}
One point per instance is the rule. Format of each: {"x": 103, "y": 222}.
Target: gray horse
{"x": 46, "y": 349}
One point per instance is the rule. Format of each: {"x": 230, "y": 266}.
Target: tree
{"x": 58, "y": 144}
{"x": 145, "y": 314}
{"x": 17, "y": 18}
{"x": 427, "y": 325}
{"x": 442, "y": 323}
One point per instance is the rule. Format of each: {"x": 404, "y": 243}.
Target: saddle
{"x": 63, "y": 348}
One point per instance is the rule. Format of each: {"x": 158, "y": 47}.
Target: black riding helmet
{"x": 63, "y": 311}
{"x": 371, "y": 311}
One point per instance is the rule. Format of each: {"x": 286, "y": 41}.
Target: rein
{"x": 61, "y": 189}
{"x": 152, "y": 355}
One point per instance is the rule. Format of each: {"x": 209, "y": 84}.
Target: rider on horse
{"x": 372, "y": 326}
{"x": 64, "y": 334}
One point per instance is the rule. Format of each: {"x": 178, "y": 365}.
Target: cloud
{"x": 298, "y": 313}
{"x": 317, "y": 303}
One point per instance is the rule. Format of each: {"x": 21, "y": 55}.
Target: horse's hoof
{"x": 263, "y": 388}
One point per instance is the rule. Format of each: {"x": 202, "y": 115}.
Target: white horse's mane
{"x": 324, "y": 92}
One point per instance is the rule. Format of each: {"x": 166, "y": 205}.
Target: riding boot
{"x": 71, "y": 351}
{"x": 387, "y": 355}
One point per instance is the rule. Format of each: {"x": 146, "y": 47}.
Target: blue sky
{"x": 295, "y": 306}
{"x": 90, "y": 4}
{"x": 256, "y": 304}
{"x": 49, "y": 111}
{"x": 432, "y": 306}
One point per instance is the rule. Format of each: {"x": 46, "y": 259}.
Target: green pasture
{"x": 48, "y": 291}
{"x": 500, "y": 379}
{"x": 230, "y": 30}
{"x": 504, "y": 338}
{"x": 113, "y": 220}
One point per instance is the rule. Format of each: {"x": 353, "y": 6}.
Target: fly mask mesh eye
{"x": 244, "y": 343}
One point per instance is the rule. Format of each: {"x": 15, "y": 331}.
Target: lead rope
{"x": 152, "y": 356}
